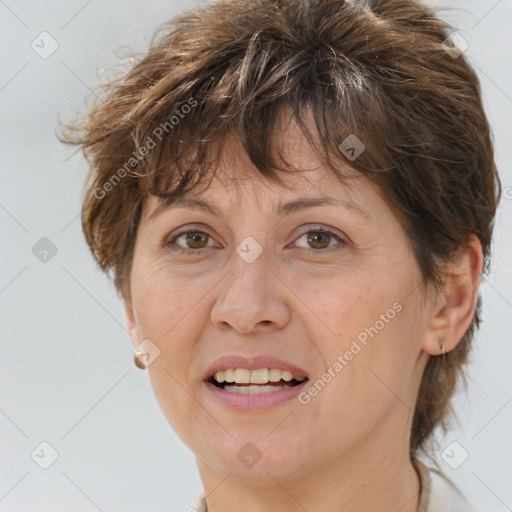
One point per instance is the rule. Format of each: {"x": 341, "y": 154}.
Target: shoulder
{"x": 200, "y": 504}
{"x": 445, "y": 497}
{"x": 438, "y": 493}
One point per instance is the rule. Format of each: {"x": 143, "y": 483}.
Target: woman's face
{"x": 329, "y": 292}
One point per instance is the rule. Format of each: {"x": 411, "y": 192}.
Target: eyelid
{"x": 168, "y": 240}
{"x": 321, "y": 227}
{"x": 341, "y": 238}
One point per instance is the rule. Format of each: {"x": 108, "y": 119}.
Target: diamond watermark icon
{"x": 249, "y": 454}
{"x": 455, "y": 45}
{"x": 44, "y": 45}
{"x": 146, "y": 352}
{"x": 249, "y": 249}
{"x": 454, "y": 455}
{"x": 352, "y": 147}
{"x": 44, "y": 455}
{"x": 44, "y": 250}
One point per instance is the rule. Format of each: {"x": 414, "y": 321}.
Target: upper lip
{"x": 251, "y": 363}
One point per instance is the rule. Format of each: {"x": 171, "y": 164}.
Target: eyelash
{"x": 169, "y": 244}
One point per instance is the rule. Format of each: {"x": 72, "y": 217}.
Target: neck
{"x": 368, "y": 478}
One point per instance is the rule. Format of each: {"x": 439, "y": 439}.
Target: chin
{"x": 257, "y": 459}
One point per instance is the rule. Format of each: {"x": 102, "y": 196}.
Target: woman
{"x": 296, "y": 202}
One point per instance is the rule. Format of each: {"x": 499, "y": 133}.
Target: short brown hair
{"x": 379, "y": 70}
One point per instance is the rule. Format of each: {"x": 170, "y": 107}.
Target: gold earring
{"x": 138, "y": 363}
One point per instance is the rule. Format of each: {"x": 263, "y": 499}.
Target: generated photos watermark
{"x": 137, "y": 156}
{"x": 355, "y": 348}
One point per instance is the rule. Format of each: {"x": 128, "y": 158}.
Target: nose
{"x": 251, "y": 298}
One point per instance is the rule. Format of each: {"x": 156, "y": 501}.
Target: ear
{"x": 454, "y": 309}
{"x": 132, "y": 324}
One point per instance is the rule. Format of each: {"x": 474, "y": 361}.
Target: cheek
{"x": 378, "y": 371}
{"x": 167, "y": 309}
{"x": 164, "y": 299}
{"x": 335, "y": 308}
{"x": 368, "y": 339}
{"x": 163, "y": 308}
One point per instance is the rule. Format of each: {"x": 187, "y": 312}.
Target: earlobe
{"x": 455, "y": 308}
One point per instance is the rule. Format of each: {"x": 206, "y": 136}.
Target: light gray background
{"x": 67, "y": 364}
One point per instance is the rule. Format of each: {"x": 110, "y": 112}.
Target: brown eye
{"x": 193, "y": 241}
{"x": 319, "y": 239}
{"x": 196, "y": 239}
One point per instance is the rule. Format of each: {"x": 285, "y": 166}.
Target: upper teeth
{"x": 259, "y": 376}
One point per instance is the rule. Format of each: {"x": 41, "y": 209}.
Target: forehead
{"x": 225, "y": 196}
{"x": 236, "y": 179}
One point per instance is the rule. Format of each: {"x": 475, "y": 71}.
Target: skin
{"x": 348, "y": 448}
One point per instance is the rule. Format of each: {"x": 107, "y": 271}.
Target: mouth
{"x": 254, "y": 382}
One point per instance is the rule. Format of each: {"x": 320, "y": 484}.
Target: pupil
{"x": 193, "y": 237}
{"x": 313, "y": 239}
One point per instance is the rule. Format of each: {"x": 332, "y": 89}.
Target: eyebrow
{"x": 281, "y": 210}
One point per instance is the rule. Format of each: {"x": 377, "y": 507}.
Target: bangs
{"x": 182, "y": 147}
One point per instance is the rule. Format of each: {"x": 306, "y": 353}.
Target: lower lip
{"x": 260, "y": 401}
